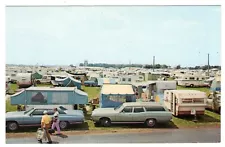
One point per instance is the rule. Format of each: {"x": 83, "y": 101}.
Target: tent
{"x": 68, "y": 82}
{"x": 49, "y": 96}
{"x": 36, "y": 75}
{"x": 113, "y": 95}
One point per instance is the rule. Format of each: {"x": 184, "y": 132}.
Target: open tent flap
{"x": 18, "y": 98}
{"x": 80, "y": 97}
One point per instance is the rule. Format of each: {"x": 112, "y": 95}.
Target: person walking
{"x": 45, "y": 124}
{"x": 56, "y": 121}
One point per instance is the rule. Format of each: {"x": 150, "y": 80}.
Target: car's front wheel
{"x": 63, "y": 124}
{"x": 12, "y": 126}
{"x": 105, "y": 122}
{"x": 150, "y": 122}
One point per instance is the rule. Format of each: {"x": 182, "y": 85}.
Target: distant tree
{"x": 148, "y": 66}
{"x": 157, "y": 66}
{"x": 164, "y": 66}
{"x": 81, "y": 64}
{"x": 178, "y": 67}
{"x": 205, "y": 67}
{"x": 197, "y": 67}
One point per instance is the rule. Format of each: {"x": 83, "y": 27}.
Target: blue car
{"x": 32, "y": 117}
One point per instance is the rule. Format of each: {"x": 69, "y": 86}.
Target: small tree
{"x": 178, "y": 67}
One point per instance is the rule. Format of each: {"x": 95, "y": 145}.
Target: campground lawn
{"x": 203, "y": 89}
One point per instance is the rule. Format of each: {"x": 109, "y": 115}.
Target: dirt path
{"x": 96, "y": 132}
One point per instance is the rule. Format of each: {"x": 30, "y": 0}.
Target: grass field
{"x": 10, "y": 107}
{"x": 203, "y": 89}
{"x": 92, "y": 92}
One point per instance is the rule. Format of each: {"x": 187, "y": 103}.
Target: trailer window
{"x": 187, "y": 100}
{"x": 192, "y": 78}
{"x": 198, "y": 100}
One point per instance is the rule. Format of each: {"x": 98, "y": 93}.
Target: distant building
{"x": 85, "y": 63}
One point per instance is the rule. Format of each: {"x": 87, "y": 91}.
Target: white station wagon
{"x": 148, "y": 113}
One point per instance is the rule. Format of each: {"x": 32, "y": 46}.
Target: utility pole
{"x": 153, "y": 66}
{"x": 208, "y": 64}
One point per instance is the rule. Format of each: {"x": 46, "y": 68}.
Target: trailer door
{"x": 171, "y": 102}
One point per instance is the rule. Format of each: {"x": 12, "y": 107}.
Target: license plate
{"x": 193, "y": 112}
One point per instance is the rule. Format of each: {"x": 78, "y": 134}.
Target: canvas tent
{"x": 49, "y": 96}
{"x": 36, "y": 75}
{"x": 113, "y": 95}
{"x": 68, "y": 82}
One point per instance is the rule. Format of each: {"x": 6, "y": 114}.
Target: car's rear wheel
{"x": 63, "y": 124}
{"x": 12, "y": 126}
{"x": 219, "y": 110}
{"x": 105, "y": 122}
{"x": 150, "y": 122}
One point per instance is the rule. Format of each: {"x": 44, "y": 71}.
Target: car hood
{"x": 16, "y": 113}
{"x": 103, "y": 111}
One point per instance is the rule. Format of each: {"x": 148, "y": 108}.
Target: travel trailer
{"x": 24, "y": 80}
{"x": 191, "y": 81}
{"x": 185, "y": 102}
{"x": 216, "y": 84}
{"x": 154, "y": 90}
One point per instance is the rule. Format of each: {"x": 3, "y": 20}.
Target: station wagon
{"x": 148, "y": 113}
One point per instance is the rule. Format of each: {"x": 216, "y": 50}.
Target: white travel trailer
{"x": 128, "y": 79}
{"x": 185, "y": 102}
{"x": 24, "y": 80}
{"x": 191, "y": 81}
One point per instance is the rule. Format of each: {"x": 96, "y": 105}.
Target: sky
{"x": 175, "y": 35}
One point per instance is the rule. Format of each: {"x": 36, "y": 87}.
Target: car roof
{"x": 142, "y": 104}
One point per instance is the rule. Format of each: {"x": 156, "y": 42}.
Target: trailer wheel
{"x": 38, "y": 82}
{"x": 219, "y": 110}
{"x": 192, "y": 85}
{"x": 150, "y": 122}
{"x": 105, "y": 122}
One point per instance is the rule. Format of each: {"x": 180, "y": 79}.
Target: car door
{"x": 138, "y": 114}
{"x": 158, "y": 112}
{"x": 125, "y": 115}
{"x": 35, "y": 117}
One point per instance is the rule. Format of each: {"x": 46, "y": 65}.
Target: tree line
{"x": 148, "y": 66}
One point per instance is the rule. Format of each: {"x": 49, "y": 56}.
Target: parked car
{"x": 149, "y": 113}
{"x": 32, "y": 117}
{"x": 213, "y": 102}
{"x": 90, "y": 83}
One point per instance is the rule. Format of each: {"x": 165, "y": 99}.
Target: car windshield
{"x": 116, "y": 108}
{"x": 62, "y": 108}
{"x": 28, "y": 111}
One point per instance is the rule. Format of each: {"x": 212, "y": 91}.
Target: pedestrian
{"x": 56, "y": 121}
{"x": 45, "y": 125}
